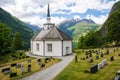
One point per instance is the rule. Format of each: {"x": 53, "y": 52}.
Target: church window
{"x": 49, "y": 46}
{"x": 37, "y": 47}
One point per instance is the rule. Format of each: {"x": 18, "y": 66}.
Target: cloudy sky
{"x": 34, "y": 11}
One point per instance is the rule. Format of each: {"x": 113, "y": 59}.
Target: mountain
{"x": 110, "y": 30}
{"x": 76, "y": 27}
{"x": 16, "y": 26}
{"x": 33, "y": 27}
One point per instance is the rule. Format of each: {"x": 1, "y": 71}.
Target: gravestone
{"x": 39, "y": 60}
{"x": 76, "y": 60}
{"x": 94, "y": 69}
{"x": 6, "y": 70}
{"x": 13, "y": 75}
{"x": 13, "y": 65}
{"x": 87, "y": 56}
{"x": 97, "y": 57}
{"x": 100, "y": 66}
{"x": 91, "y": 60}
{"x": 29, "y": 68}
{"x": 101, "y": 54}
{"x": 18, "y": 65}
{"x": 46, "y": 60}
{"x": 90, "y": 54}
{"x": 111, "y": 58}
{"x": 22, "y": 69}
{"x": 107, "y": 52}
{"x": 104, "y": 62}
{"x": 86, "y": 53}
{"x": 41, "y": 64}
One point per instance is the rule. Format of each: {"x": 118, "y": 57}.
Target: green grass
{"x": 76, "y": 71}
{"x": 34, "y": 67}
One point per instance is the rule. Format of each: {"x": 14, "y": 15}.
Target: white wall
{"x": 67, "y": 44}
{"x": 56, "y": 48}
{"x": 33, "y": 47}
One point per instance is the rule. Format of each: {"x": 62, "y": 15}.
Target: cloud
{"x": 76, "y": 17}
{"x": 99, "y": 19}
{"x": 34, "y": 11}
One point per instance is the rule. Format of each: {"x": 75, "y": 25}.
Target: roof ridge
{"x": 48, "y": 33}
{"x": 59, "y": 33}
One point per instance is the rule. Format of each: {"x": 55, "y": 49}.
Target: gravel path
{"x": 52, "y": 71}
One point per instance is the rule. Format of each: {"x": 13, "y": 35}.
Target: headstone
{"x": 94, "y": 69}
{"x": 100, "y": 66}
{"x": 91, "y": 60}
{"x": 101, "y": 54}
{"x": 104, "y": 62}
{"x": 39, "y": 60}
{"x": 22, "y": 69}
{"x": 13, "y": 65}
{"x": 76, "y": 60}
{"x": 90, "y": 54}
{"x": 86, "y": 53}
{"x": 107, "y": 52}
{"x": 46, "y": 60}
{"x": 18, "y": 65}
{"x": 41, "y": 64}
{"x": 13, "y": 75}
{"x": 29, "y": 68}
{"x": 6, "y": 70}
{"x": 87, "y": 56}
{"x": 111, "y": 58}
{"x": 97, "y": 57}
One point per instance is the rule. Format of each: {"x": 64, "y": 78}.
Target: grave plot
{"x": 84, "y": 69}
{"x": 19, "y": 69}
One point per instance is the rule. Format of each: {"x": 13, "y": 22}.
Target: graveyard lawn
{"x": 80, "y": 70}
{"x": 29, "y": 61}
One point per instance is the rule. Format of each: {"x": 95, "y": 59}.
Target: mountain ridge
{"x": 16, "y": 26}
{"x": 74, "y": 27}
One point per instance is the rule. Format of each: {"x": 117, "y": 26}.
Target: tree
{"x": 91, "y": 40}
{"x": 17, "y": 43}
{"x": 81, "y": 43}
{"x": 5, "y": 40}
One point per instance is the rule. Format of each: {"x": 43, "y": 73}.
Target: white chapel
{"x": 51, "y": 41}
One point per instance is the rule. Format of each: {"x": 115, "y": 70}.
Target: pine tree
{"x": 5, "y": 40}
{"x": 17, "y": 43}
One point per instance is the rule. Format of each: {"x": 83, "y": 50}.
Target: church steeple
{"x": 48, "y": 24}
{"x": 48, "y": 11}
{"x": 48, "y": 14}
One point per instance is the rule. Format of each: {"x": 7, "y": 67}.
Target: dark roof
{"x": 52, "y": 33}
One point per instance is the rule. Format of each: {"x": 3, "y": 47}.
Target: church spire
{"x": 48, "y": 11}
{"x": 48, "y": 14}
